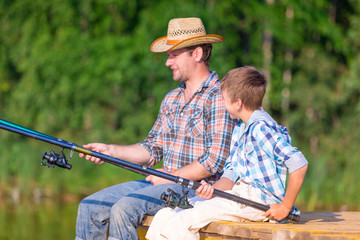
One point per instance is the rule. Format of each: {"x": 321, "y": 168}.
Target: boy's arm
{"x": 224, "y": 184}
{"x": 279, "y": 211}
{"x": 206, "y": 190}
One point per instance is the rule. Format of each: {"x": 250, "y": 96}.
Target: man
{"x": 191, "y": 134}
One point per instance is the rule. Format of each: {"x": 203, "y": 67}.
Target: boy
{"x": 260, "y": 155}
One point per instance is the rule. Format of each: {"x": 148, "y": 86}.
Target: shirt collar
{"x": 209, "y": 81}
{"x": 258, "y": 115}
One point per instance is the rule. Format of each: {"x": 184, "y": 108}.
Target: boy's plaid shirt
{"x": 197, "y": 130}
{"x": 261, "y": 154}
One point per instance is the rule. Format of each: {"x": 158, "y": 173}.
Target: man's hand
{"x": 277, "y": 211}
{"x": 158, "y": 180}
{"x": 97, "y": 147}
{"x": 205, "y": 191}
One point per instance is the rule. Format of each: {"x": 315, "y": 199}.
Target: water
{"x": 41, "y": 222}
{"x": 50, "y": 220}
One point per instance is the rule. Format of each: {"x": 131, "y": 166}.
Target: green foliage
{"x": 82, "y": 71}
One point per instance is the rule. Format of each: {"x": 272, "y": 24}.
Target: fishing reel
{"x": 174, "y": 199}
{"x": 54, "y": 158}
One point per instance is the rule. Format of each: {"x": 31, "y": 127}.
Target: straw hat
{"x": 184, "y": 32}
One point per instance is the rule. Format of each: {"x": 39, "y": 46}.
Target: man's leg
{"x": 130, "y": 210}
{"x": 94, "y": 211}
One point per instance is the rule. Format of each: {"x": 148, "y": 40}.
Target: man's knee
{"x": 123, "y": 210}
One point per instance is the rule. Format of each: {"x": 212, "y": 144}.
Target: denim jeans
{"x": 120, "y": 208}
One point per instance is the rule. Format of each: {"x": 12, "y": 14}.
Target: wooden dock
{"x": 313, "y": 226}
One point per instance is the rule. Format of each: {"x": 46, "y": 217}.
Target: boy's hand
{"x": 277, "y": 211}
{"x": 205, "y": 190}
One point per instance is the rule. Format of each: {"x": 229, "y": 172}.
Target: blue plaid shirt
{"x": 261, "y": 154}
{"x": 197, "y": 130}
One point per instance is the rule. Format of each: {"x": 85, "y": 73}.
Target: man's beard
{"x": 182, "y": 78}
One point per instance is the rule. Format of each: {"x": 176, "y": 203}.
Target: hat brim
{"x": 160, "y": 44}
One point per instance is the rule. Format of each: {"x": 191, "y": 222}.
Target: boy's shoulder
{"x": 260, "y": 118}
{"x": 261, "y": 122}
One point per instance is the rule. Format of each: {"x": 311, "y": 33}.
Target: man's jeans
{"x": 123, "y": 206}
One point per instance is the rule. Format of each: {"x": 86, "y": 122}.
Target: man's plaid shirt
{"x": 197, "y": 130}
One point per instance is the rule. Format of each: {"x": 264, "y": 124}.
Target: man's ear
{"x": 197, "y": 53}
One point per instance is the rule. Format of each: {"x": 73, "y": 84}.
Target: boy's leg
{"x": 186, "y": 224}
{"x": 94, "y": 211}
{"x": 130, "y": 210}
{"x": 158, "y": 223}
{"x": 161, "y": 218}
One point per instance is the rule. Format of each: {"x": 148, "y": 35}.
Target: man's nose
{"x": 168, "y": 62}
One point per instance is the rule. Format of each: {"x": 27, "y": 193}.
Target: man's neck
{"x": 194, "y": 83}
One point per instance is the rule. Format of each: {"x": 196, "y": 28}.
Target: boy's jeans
{"x": 123, "y": 206}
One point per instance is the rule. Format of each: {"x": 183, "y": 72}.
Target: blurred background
{"x": 82, "y": 71}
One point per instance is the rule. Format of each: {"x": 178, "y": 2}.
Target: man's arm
{"x": 279, "y": 211}
{"x": 132, "y": 153}
{"x": 219, "y": 127}
{"x": 194, "y": 171}
{"x": 138, "y": 154}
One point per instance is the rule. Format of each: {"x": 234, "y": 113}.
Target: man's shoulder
{"x": 211, "y": 84}
{"x": 171, "y": 95}
{"x": 212, "y": 92}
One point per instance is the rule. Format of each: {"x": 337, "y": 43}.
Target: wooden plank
{"x": 313, "y": 225}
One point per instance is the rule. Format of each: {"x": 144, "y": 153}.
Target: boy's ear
{"x": 239, "y": 104}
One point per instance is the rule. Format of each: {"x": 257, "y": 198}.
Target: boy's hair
{"x": 247, "y": 84}
{"x": 207, "y": 48}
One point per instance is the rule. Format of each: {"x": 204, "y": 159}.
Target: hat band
{"x": 172, "y": 41}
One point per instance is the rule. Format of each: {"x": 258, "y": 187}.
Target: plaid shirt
{"x": 261, "y": 154}
{"x": 197, "y": 130}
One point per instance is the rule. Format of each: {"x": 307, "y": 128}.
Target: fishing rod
{"x": 55, "y": 159}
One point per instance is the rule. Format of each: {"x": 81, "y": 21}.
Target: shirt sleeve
{"x": 153, "y": 142}
{"x": 229, "y": 171}
{"x": 230, "y": 174}
{"x": 278, "y": 148}
{"x": 218, "y": 128}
